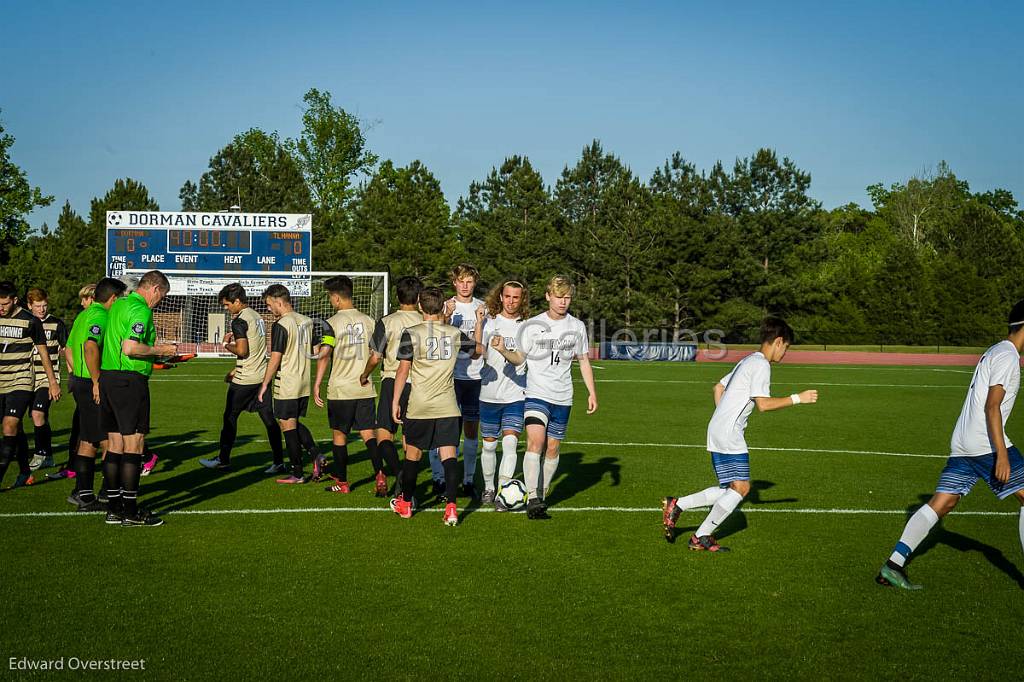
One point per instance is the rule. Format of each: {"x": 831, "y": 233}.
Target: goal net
{"x": 192, "y": 317}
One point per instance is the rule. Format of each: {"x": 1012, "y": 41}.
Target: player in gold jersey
{"x": 247, "y": 341}
{"x": 387, "y": 334}
{"x": 428, "y": 353}
{"x": 345, "y": 347}
{"x": 293, "y": 342}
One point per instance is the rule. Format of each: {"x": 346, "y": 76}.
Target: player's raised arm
{"x": 517, "y": 358}
{"x": 994, "y": 422}
{"x": 803, "y": 398}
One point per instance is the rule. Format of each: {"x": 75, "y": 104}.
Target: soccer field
{"x": 248, "y": 578}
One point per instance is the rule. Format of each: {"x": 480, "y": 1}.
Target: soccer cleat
{"x": 47, "y": 462}
{"x": 276, "y": 469}
{"x": 142, "y": 519}
{"x": 669, "y": 515}
{"x": 57, "y": 475}
{"x": 292, "y": 480}
{"x": 706, "y": 543}
{"x": 469, "y": 490}
{"x": 73, "y": 498}
{"x": 91, "y": 506}
{"x": 36, "y": 461}
{"x": 213, "y": 463}
{"x": 451, "y": 514}
{"x": 147, "y": 468}
{"x": 339, "y": 487}
{"x": 892, "y": 575}
{"x": 401, "y": 507}
{"x": 380, "y": 485}
{"x": 23, "y": 480}
{"x": 113, "y": 518}
{"x": 500, "y": 506}
{"x": 488, "y": 497}
{"x": 319, "y": 464}
{"x": 536, "y": 509}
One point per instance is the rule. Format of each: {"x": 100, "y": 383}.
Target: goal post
{"x": 192, "y": 316}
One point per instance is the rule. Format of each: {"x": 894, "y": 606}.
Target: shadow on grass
{"x": 199, "y": 484}
{"x": 962, "y": 543}
{"x": 574, "y": 475}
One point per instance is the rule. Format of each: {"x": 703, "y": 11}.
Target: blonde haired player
{"x": 461, "y": 312}
{"x": 502, "y": 386}
{"x": 548, "y": 343}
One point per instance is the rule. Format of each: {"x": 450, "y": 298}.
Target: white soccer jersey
{"x": 550, "y": 346}
{"x": 999, "y": 366}
{"x": 464, "y": 318}
{"x": 501, "y": 381}
{"x": 750, "y": 378}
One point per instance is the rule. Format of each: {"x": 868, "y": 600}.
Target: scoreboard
{"x": 230, "y": 244}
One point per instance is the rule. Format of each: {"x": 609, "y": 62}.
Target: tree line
{"x": 929, "y": 262}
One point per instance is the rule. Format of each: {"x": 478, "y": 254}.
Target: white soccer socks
{"x": 550, "y": 466}
{"x": 507, "y": 468}
{"x": 469, "y": 449}
{"x": 705, "y": 498}
{"x": 531, "y": 473}
{"x": 726, "y": 504}
{"x": 489, "y": 462}
{"x": 916, "y": 530}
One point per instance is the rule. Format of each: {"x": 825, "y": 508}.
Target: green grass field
{"x": 248, "y": 578}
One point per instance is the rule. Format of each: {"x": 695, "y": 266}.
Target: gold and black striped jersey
{"x": 294, "y": 337}
{"x": 20, "y": 333}
{"x": 56, "y": 339}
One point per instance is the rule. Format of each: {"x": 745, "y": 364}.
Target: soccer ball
{"x": 512, "y": 495}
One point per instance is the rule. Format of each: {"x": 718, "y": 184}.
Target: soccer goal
{"x": 192, "y": 317}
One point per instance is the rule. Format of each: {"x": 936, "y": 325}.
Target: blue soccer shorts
{"x": 731, "y": 468}
{"x": 556, "y": 417}
{"x": 496, "y": 418}
{"x": 961, "y": 473}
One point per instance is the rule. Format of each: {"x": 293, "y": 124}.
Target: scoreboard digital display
{"x": 228, "y": 243}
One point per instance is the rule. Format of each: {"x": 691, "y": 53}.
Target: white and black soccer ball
{"x": 512, "y": 495}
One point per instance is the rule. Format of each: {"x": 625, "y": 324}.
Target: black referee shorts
{"x": 90, "y": 423}
{"x": 15, "y": 403}
{"x": 124, "y": 402}
{"x": 387, "y": 393}
{"x": 343, "y": 415}
{"x": 427, "y": 434}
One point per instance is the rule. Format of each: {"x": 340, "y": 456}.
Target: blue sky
{"x": 854, "y": 92}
